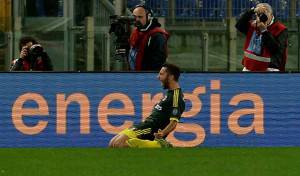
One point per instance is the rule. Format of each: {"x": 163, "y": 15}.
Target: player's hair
{"x": 24, "y": 40}
{"x": 173, "y": 70}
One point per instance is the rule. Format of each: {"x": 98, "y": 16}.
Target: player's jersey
{"x": 169, "y": 108}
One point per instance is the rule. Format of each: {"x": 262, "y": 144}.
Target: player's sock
{"x": 164, "y": 143}
{"x": 139, "y": 143}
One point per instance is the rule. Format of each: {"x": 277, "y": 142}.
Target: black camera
{"x": 120, "y": 27}
{"x": 262, "y": 17}
{"x": 34, "y": 52}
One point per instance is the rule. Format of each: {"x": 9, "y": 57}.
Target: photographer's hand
{"x": 24, "y": 52}
{"x": 261, "y": 26}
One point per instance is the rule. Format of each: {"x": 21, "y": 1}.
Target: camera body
{"x": 121, "y": 27}
{"x": 263, "y": 18}
{"x": 34, "y": 52}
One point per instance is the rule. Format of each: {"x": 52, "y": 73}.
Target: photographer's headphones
{"x": 149, "y": 11}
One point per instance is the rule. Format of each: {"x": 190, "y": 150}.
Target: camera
{"x": 262, "y": 17}
{"x": 36, "y": 50}
{"x": 120, "y": 27}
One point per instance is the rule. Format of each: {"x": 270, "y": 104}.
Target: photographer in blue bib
{"x": 266, "y": 42}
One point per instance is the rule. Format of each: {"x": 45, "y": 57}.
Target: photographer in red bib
{"x": 148, "y": 42}
{"x": 266, "y": 42}
{"x": 33, "y": 57}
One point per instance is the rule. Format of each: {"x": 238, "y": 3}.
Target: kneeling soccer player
{"x": 164, "y": 117}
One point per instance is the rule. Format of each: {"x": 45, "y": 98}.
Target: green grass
{"x": 163, "y": 162}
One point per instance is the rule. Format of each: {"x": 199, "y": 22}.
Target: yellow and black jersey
{"x": 169, "y": 108}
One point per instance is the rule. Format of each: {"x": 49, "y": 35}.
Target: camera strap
{"x": 147, "y": 28}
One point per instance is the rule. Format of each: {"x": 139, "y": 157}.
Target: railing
{"x": 216, "y": 9}
{"x": 203, "y": 37}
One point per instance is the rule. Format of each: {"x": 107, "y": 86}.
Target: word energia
{"x": 105, "y": 112}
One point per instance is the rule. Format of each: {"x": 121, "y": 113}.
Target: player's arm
{"x": 174, "y": 119}
{"x": 169, "y": 128}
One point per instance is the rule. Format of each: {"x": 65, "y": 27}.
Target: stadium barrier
{"x": 88, "y": 109}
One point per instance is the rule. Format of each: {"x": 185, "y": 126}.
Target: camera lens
{"x": 263, "y": 18}
{"x": 36, "y": 50}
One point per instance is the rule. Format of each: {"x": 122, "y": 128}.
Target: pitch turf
{"x": 163, "y": 162}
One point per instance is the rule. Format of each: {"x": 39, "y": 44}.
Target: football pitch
{"x": 144, "y": 162}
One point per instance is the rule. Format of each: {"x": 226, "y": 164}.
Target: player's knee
{"x": 112, "y": 142}
{"x": 120, "y": 142}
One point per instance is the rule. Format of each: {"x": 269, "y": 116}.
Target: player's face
{"x": 163, "y": 76}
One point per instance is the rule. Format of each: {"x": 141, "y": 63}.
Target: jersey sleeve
{"x": 176, "y": 111}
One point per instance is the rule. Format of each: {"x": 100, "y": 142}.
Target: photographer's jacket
{"x": 263, "y": 50}
{"x": 148, "y": 49}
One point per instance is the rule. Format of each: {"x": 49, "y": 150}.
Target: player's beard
{"x": 165, "y": 83}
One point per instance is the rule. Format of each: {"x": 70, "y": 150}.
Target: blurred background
{"x": 75, "y": 32}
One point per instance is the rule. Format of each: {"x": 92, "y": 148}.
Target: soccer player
{"x": 164, "y": 117}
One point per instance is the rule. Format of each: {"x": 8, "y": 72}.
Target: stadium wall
{"x": 87, "y": 109}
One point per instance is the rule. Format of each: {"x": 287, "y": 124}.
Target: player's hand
{"x": 159, "y": 134}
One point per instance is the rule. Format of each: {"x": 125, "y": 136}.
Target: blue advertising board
{"x": 88, "y": 109}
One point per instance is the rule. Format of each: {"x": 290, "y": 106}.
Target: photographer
{"x": 265, "y": 47}
{"x": 148, "y": 42}
{"x": 32, "y": 57}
